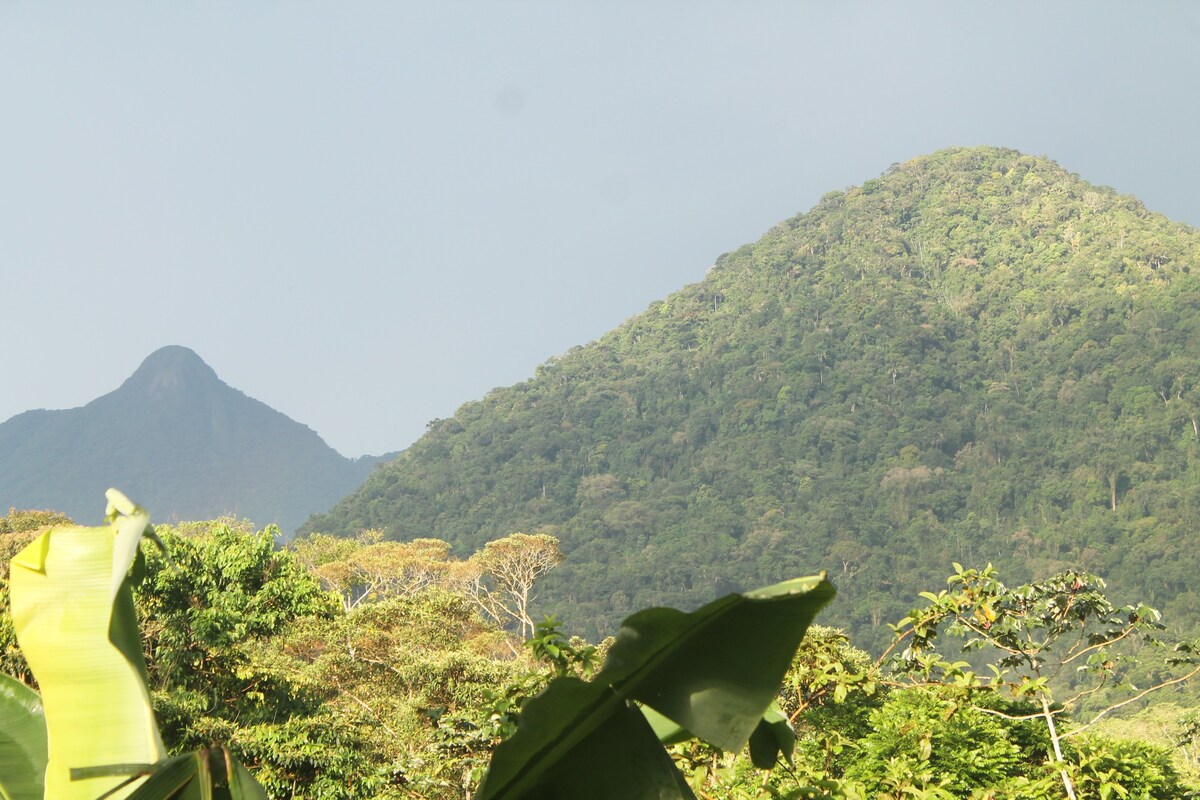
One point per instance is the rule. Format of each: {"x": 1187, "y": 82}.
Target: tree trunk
{"x": 1058, "y": 757}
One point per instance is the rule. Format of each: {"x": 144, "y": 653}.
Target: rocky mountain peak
{"x": 169, "y": 371}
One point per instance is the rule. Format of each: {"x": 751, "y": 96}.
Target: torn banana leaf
{"x": 73, "y": 613}
{"x": 713, "y": 673}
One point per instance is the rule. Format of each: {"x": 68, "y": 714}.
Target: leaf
{"x": 200, "y": 775}
{"x": 716, "y": 670}
{"x": 22, "y": 741}
{"x": 773, "y": 737}
{"x": 621, "y": 758}
{"x": 241, "y": 785}
{"x": 176, "y": 777}
{"x": 572, "y": 734}
{"x": 667, "y": 730}
{"x": 73, "y": 615}
{"x": 713, "y": 672}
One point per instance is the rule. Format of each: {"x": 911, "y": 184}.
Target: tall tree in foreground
{"x": 500, "y": 577}
{"x": 1040, "y": 637}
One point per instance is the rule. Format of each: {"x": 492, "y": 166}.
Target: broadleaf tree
{"x": 1052, "y": 642}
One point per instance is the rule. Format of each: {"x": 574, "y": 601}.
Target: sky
{"x": 366, "y": 214}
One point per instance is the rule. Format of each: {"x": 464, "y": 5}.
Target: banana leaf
{"x": 210, "y": 774}
{"x": 22, "y": 741}
{"x": 73, "y": 614}
{"x": 713, "y": 672}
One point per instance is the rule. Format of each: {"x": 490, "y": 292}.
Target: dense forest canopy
{"x": 976, "y": 357}
{"x": 356, "y": 668}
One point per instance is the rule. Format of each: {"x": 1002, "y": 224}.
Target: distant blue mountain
{"x": 182, "y": 443}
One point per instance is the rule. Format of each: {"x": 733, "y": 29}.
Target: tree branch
{"x": 1133, "y": 699}
{"x": 1098, "y": 645}
{"x": 1015, "y": 717}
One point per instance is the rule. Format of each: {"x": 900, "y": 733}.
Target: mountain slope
{"x": 181, "y": 442}
{"x": 975, "y": 357}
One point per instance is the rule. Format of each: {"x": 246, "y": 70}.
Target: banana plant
{"x": 73, "y": 613}
{"x": 712, "y": 674}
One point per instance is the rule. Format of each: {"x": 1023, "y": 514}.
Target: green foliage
{"x": 401, "y": 696}
{"x": 92, "y": 733}
{"x": 1059, "y": 632}
{"x": 210, "y": 772}
{"x": 712, "y": 672}
{"x": 216, "y": 589}
{"x": 565, "y": 656}
{"x": 939, "y": 729}
{"x": 207, "y": 607}
{"x": 408, "y": 694}
{"x": 930, "y": 738}
{"x": 829, "y": 679}
{"x": 977, "y": 356}
{"x": 1037, "y": 635}
{"x": 1126, "y": 768}
{"x": 22, "y": 741}
{"x": 419, "y": 686}
{"x": 28, "y": 522}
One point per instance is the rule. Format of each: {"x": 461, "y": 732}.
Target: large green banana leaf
{"x": 74, "y": 619}
{"x": 22, "y": 741}
{"x": 713, "y": 672}
{"x": 210, "y": 774}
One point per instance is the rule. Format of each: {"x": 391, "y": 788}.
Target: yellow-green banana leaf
{"x": 74, "y": 618}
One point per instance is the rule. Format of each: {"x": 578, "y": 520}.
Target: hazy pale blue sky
{"x": 365, "y": 214}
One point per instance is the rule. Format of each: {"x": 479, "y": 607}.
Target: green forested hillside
{"x": 975, "y": 357}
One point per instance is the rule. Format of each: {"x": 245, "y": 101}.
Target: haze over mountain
{"x": 180, "y": 442}
{"x": 975, "y": 357}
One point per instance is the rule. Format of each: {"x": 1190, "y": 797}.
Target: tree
{"x": 368, "y": 569}
{"x": 208, "y": 606}
{"x": 1059, "y": 634}
{"x": 218, "y": 586}
{"x": 924, "y": 742}
{"x": 500, "y": 578}
{"x": 416, "y": 678}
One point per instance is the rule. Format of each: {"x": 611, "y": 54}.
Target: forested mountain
{"x": 976, "y": 357}
{"x": 183, "y": 442}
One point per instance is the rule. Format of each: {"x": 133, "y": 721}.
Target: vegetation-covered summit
{"x": 977, "y": 356}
